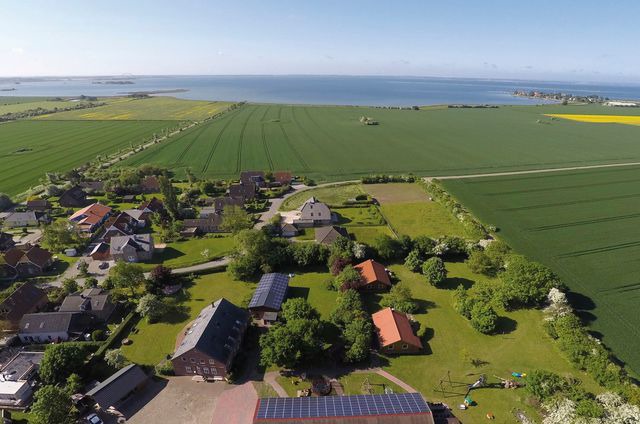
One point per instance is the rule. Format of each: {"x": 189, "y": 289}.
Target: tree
{"x": 151, "y": 307}
{"x": 434, "y": 270}
{"x": 348, "y": 307}
{"x": 424, "y": 246}
{"x": 235, "y": 219}
{"x": 90, "y": 282}
{"x": 483, "y": 318}
{"x": 61, "y": 235}
{"x": 73, "y": 384}
{"x": 414, "y": 261}
{"x": 127, "y": 276}
{"x": 170, "y": 197}
{"x": 399, "y": 298}
{"x": 5, "y": 202}
{"x": 349, "y": 278}
{"x": 115, "y": 358}
{"x": 462, "y": 302}
{"x": 480, "y": 263}
{"x": 357, "y": 337}
{"x": 287, "y": 345}
{"x": 307, "y": 254}
{"x": 387, "y": 247}
{"x": 253, "y": 249}
{"x": 59, "y": 361}
{"x": 70, "y": 285}
{"x": 190, "y": 175}
{"x": 526, "y": 282}
{"x": 52, "y": 405}
{"x": 544, "y": 384}
{"x": 159, "y": 277}
{"x": 298, "y": 308}
{"x": 83, "y": 267}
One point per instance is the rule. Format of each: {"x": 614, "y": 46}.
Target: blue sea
{"x": 329, "y": 90}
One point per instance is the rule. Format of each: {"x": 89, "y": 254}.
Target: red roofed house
{"x": 89, "y": 219}
{"x": 26, "y": 261}
{"x": 395, "y": 334}
{"x": 282, "y": 177}
{"x": 374, "y": 276}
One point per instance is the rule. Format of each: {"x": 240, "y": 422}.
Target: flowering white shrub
{"x": 561, "y": 411}
{"x": 616, "y": 411}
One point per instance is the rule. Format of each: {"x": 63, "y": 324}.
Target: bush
{"x": 349, "y": 278}
{"x": 399, "y": 298}
{"x": 434, "y": 270}
{"x": 483, "y": 318}
{"x": 526, "y": 283}
{"x": 98, "y": 335}
{"x": 544, "y": 384}
{"x": 164, "y": 368}
{"x": 462, "y": 302}
{"x": 414, "y": 261}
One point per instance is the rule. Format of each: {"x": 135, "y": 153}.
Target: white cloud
{"x": 17, "y": 50}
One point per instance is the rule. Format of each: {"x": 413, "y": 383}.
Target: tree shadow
{"x": 175, "y": 315}
{"x": 580, "y": 302}
{"x": 294, "y": 292}
{"x": 505, "y": 325}
{"x": 453, "y": 283}
{"x": 424, "y": 306}
{"x": 167, "y": 254}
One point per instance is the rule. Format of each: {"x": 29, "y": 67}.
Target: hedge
{"x": 126, "y": 325}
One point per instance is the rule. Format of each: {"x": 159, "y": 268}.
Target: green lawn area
{"x": 396, "y": 192}
{"x": 313, "y": 287}
{"x": 153, "y": 342}
{"x": 422, "y": 219}
{"x": 352, "y": 384}
{"x": 189, "y": 252}
{"x": 359, "y": 216}
{"x": 36, "y": 104}
{"x": 368, "y": 234}
{"x": 332, "y": 195}
{"x": 522, "y": 346}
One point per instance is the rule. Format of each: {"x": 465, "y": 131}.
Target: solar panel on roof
{"x": 270, "y": 292}
{"x": 341, "y": 406}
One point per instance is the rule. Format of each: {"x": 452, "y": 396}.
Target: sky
{"x": 575, "y": 40}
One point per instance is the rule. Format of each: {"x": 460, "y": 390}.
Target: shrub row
{"x": 126, "y": 325}
{"x": 382, "y": 179}
{"x": 472, "y": 225}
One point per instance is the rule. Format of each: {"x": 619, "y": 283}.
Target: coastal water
{"x": 331, "y": 90}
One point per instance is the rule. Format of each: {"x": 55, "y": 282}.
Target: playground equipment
{"x": 508, "y": 383}
{"x": 366, "y": 389}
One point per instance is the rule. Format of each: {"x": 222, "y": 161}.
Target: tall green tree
{"x": 52, "y": 405}
{"x": 170, "y": 197}
{"x": 526, "y": 282}
{"x": 60, "y": 235}
{"x": 434, "y": 270}
{"x": 127, "y": 276}
{"x": 400, "y": 298}
{"x": 59, "y": 361}
{"x": 235, "y": 219}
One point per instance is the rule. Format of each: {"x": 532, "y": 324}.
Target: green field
{"x": 585, "y": 225}
{"x": 152, "y": 108}
{"x": 329, "y": 143}
{"x": 28, "y": 149}
{"x": 35, "y": 104}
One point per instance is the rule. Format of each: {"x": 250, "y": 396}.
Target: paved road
{"x": 533, "y": 171}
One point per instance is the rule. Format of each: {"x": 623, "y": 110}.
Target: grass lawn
{"x": 313, "y": 287}
{"x": 422, "y": 219}
{"x": 332, "y": 195}
{"x": 359, "y": 216}
{"x": 451, "y": 344}
{"x": 396, "y": 192}
{"x": 352, "y": 384}
{"x": 368, "y": 234}
{"x": 153, "y": 342}
{"x": 185, "y": 253}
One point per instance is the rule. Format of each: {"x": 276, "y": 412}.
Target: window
{"x": 187, "y": 369}
{"x": 390, "y": 347}
{"x": 214, "y": 371}
{"x": 202, "y": 362}
{"x": 193, "y": 360}
{"x": 205, "y": 370}
{"x": 211, "y": 362}
{"x": 405, "y": 346}
{"x": 183, "y": 358}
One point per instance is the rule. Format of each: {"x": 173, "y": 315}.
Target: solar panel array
{"x": 341, "y": 406}
{"x": 271, "y": 291}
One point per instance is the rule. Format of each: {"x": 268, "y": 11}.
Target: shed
{"x": 269, "y": 295}
{"x": 118, "y": 387}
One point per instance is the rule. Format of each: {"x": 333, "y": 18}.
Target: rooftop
{"x": 21, "y": 365}
{"x": 270, "y": 292}
{"x": 116, "y": 387}
{"x": 394, "y": 326}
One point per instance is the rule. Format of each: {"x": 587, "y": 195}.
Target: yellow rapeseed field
{"x": 600, "y": 119}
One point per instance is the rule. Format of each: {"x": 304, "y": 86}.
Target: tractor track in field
{"x": 244, "y": 127}
{"x": 215, "y": 144}
{"x": 188, "y": 147}
{"x": 287, "y": 140}
{"x": 264, "y": 139}
{"x": 322, "y": 130}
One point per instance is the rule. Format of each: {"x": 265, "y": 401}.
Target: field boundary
{"x": 532, "y": 171}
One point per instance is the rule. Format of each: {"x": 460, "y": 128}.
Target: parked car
{"x": 94, "y": 419}
{"x": 103, "y": 265}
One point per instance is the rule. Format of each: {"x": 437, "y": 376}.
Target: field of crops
{"x": 600, "y": 119}
{"x": 329, "y": 143}
{"x": 12, "y": 107}
{"x": 28, "y": 149}
{"x": 583, "y": 224}
{"x": 153, "y": 108}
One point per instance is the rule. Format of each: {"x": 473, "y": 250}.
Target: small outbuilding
{"x": 394, "y": 331}
{"x": 329, "y": 234}
{"x": 374, "y": 276}
{"x": 118, "y": 387}
{"x": 268, "y": 297}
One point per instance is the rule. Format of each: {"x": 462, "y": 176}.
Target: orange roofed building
{"x": 395, "y": 334}
{"x": 374, "y": 276}
{"x": 91, "y": 218}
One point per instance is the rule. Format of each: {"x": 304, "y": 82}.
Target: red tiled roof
{"x": 91, "y": 214}
{"x": 394, "y": 326}
{"x": 372, "y": 271}
{"x": 283, "y": 177}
